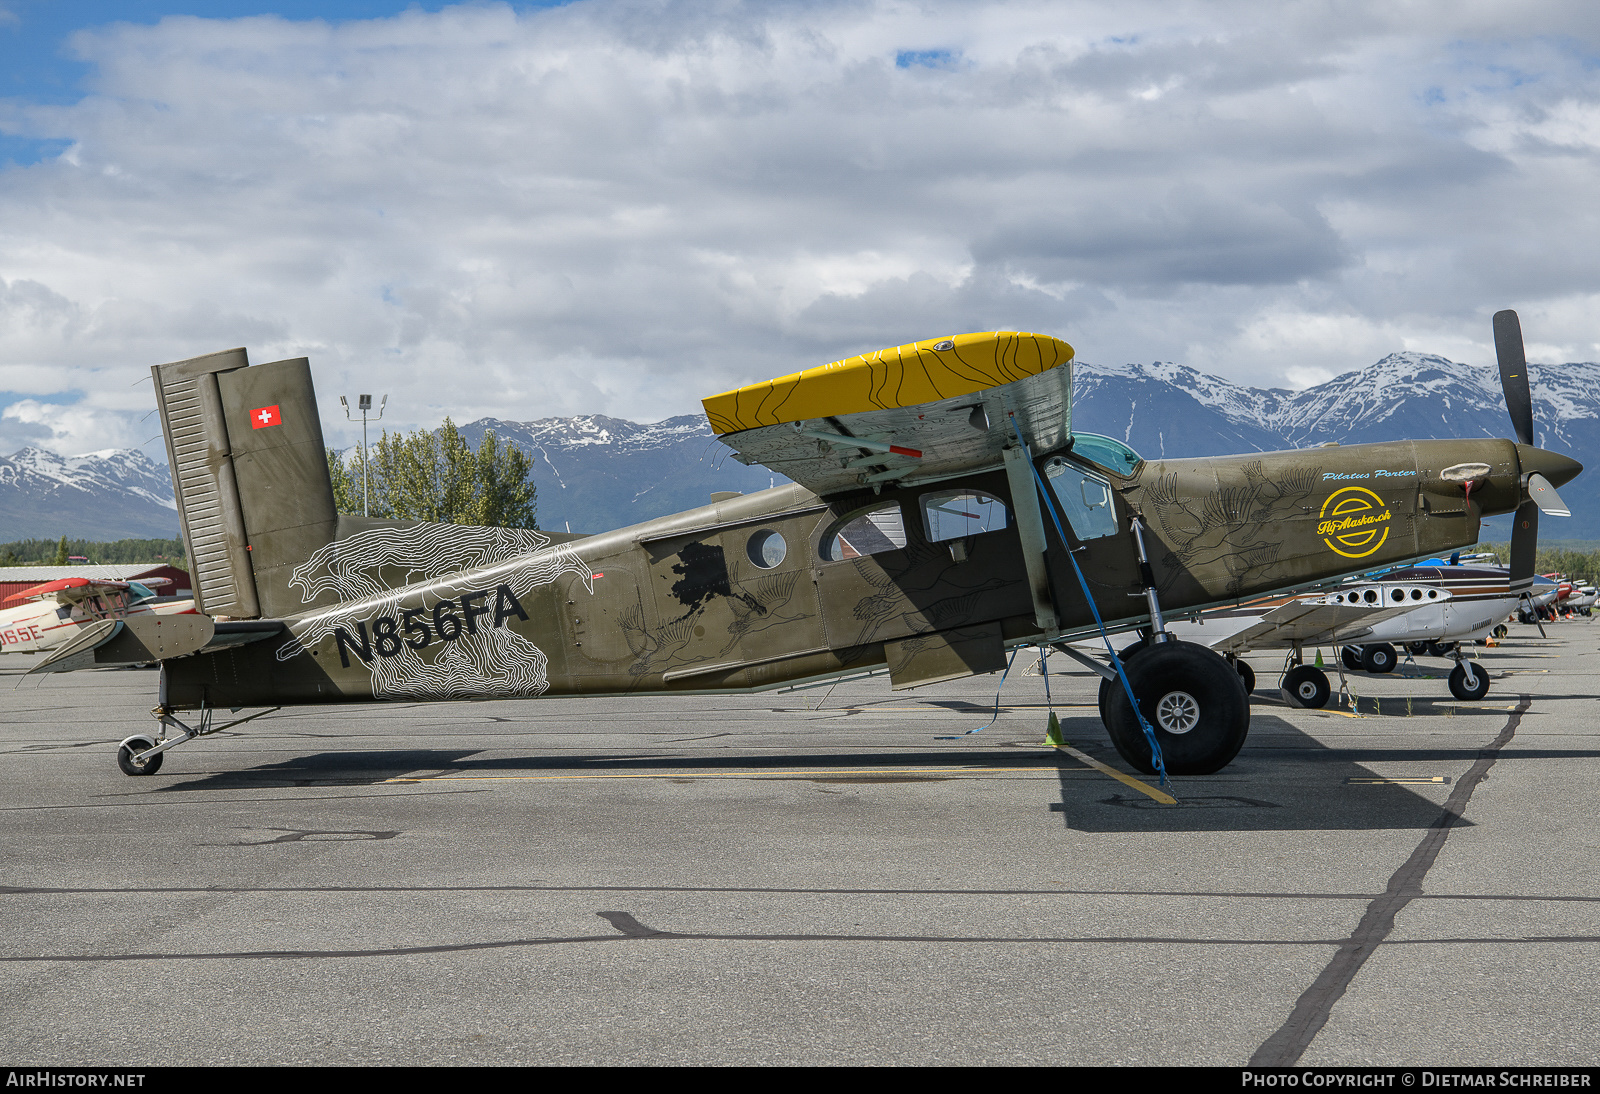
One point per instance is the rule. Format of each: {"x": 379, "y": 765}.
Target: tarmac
{"x": 843, "y": 875}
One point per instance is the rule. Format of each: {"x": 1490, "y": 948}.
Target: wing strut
{"x": 1055, "y": 517}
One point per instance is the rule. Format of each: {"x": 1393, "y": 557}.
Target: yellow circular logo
{"x": 1354, "y": 522}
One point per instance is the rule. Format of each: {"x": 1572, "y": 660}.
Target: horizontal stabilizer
{"x": 144, "y": 639}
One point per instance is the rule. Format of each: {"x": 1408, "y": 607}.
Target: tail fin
{"x": 250, "y": 473}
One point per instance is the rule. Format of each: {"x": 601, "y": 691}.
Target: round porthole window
{"x": 767, "y": 549}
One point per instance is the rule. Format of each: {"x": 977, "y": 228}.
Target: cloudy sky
{"x": 619, "y": 206}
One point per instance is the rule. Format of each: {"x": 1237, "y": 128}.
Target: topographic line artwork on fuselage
{"x": 470, "y": 585}
{"x": 1241, "y": 526}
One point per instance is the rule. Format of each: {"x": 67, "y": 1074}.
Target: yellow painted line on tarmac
{"x": 1144, "y": 788}
{"x": 767, "y": 774}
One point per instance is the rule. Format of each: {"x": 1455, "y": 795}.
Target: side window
{"x": 1085, "y": 499}
{"x": 953, "y": 514}
{"x": 866, "y": 532}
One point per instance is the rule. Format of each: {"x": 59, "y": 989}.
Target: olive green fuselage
{"x": 708, "y": 600}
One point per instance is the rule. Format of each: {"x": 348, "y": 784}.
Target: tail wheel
{"x": 1378, "y": 658}
{"x": 1193, "y": 700}
{"x": 131, "y": 747}
{"x": 1461, "y": 689}
{"x": 1306, "y": 686}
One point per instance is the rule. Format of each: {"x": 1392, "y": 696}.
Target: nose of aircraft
{"x": 1559, "y": 469}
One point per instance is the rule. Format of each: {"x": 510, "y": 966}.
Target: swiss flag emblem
{"x": 264, "y": 416}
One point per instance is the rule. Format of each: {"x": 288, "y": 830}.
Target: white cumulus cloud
{"x": 620, "y": 206}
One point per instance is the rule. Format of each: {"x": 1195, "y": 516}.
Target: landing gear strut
{"x": 142, "y": 754}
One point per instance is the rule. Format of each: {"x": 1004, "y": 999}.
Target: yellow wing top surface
{"x": 903, "y": 376}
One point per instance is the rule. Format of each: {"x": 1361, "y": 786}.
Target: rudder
{"x": 250, "y": 474}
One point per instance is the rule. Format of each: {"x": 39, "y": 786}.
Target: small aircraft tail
{"x": 250, "y": 473}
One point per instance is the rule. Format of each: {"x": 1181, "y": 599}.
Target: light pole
{"x": 364, "y": 404}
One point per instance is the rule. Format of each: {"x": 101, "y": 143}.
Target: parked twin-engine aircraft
{"x": 1428, "y": 607}
{"x": 47, "y": 616}
{"x": 943, "y": 511}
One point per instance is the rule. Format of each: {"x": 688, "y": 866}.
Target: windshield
{"x": 1110, "y": 454}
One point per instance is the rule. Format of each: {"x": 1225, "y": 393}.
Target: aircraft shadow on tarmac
{"x": 1283, "y": 780}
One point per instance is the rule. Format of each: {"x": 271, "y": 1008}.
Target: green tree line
{"x": 435, "y": 475}
{"x": 1554, "y": 560}
{"x": 54, "y": 552}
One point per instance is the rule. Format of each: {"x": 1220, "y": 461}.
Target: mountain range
{"x": 594, "y": 472}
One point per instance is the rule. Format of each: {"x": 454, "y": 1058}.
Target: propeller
{"x": 1514, "y": 373}
{"x": 1541, "y": 493}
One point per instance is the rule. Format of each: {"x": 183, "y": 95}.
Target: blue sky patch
{"x": 36, "y": 63}
{"x": 925, "y": 58}
{"x": 22, "y": 151}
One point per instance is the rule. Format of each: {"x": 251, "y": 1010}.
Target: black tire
{"x": 1306, "y": 686}
{"x": 1379, "y": 657}
{"x": 1440, "y": 649}
{"x": 125, "y": 754}
{"x": 1180, "y": 684}
{"x": 1247, "y": 676}
{"x": 1351, "y": 656}
{"x": 1418, "y": 649}
{"x": 1126, "y": 654}
{"x": 1458, "y": 682}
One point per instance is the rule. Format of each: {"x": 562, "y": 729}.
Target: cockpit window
{"x": 1085, "y": 498}
{"x": 1109, "y": 453}
{"x": 865, "y": 533}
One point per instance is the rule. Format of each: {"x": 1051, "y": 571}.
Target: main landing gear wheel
{"x": 1193, "y": 700}
{"x": 1461, "y": 689}
{"x": 1351, "y": 656}
{"x": 1247, "y": 676}
{"x": 1306, "y": 686}
{"x": 1124, "y": 655}
{"x": 136, "y": 744}
{"x": 1379, "y": 658}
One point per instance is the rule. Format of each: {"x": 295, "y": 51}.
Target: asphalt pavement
{"x": 843, "y": 875}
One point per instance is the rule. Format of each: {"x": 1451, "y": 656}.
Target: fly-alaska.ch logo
{"x": 1354, "y": 522}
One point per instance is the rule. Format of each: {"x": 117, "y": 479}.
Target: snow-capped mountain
{"x": 595, "y": 472}
{"x": 117, "y": 493}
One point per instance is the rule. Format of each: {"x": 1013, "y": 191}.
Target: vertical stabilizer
{"x": 250, "y": 472}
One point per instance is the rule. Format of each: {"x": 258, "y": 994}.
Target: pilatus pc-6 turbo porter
{"x": 942, "y": 512}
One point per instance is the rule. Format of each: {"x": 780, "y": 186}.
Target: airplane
{"x": 1432, "y": 607}
{"x": 50, "y": 614}
{"x": 942, "y": 513}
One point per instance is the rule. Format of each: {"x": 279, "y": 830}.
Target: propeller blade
{"x": 1514, "y": 373}
{"x": 1524, "y": 546}
{"x": 1544, "y": 495}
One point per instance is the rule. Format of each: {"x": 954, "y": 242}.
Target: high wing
{"x": 70, "y": 590}
{"x": 1320, "y": 621}
{"x": 911, "y": 414}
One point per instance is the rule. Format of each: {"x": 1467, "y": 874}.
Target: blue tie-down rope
{"x": 1150, "y": 734}
{"x": 997, "y": 690}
